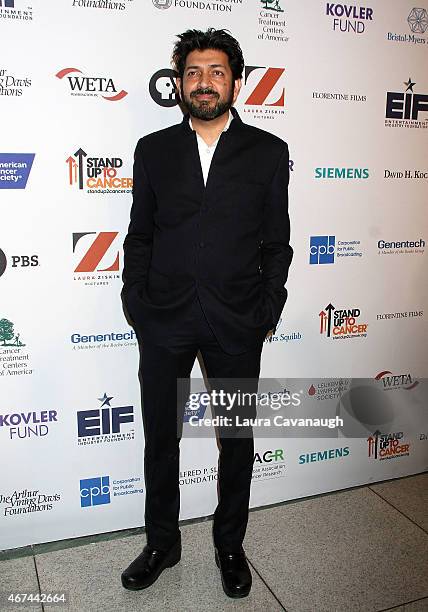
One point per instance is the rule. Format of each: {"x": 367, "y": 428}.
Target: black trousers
{"x": 161, "y": 365}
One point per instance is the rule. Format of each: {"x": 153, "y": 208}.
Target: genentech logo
{"x": 103, "y": 87}
{"x": 97, "y": 174}
{"x": 342, "y": 323}
{"x": 264, "y": 91}
{"x": 403, "y": 109}
{"x": 96, "y": 253}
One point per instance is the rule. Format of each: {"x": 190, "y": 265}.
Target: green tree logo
{"x": 7, "y": 335}
{"x": 267, "y": 4}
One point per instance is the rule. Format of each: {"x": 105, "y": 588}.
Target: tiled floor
{"x": 360, "y": 550}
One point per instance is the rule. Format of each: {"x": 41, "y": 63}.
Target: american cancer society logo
{"x": 15, "y": 169}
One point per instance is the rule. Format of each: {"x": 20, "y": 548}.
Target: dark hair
{"x": 192, "y": 40}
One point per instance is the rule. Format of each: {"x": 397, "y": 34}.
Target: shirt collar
{"x": 226, "y": 127}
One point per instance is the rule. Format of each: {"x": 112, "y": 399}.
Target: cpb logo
{"x": 95, "y": 255}
{"x": 322, "y": 249}
{"x": 94, "y": 491}
{"x": 267, "y": 89}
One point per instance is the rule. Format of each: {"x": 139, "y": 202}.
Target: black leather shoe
{"x": 235, "y": 573}
{"x": 148, "y": 566}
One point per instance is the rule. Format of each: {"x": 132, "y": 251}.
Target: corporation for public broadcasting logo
{"x": 91, "y": 86}
{"x": 95, "y": 256}
{"x": 99, "y": 490}
{"x": 324, "y": 249}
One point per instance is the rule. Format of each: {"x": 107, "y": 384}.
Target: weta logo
{"x": 95, "y": 256}
{"x": 392, "y": 381}
{"x": 266, "y": 87}
{"x": 91, "y": 86}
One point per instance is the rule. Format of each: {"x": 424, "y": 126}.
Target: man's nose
{"x": 205, "y": 79}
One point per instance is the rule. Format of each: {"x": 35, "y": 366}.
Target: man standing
{"x": 206, "y": 259}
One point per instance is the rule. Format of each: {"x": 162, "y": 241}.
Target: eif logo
{"x": 106, "y": 421}
{"x": 95, "y": 255}
{"x": 91, "y": 86}
{"x": 322, "y": 249}
{"x": 94, "y": 491}
{"x": 8, "y": 3}
{"x": 403, "y": 108}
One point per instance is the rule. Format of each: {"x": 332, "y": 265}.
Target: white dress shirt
{"x": 206, "y": 152}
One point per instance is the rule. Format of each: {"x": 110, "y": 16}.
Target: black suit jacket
{"x": 227, "y": 241}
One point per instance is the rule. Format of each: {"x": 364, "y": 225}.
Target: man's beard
{"x": 203, "y": 110}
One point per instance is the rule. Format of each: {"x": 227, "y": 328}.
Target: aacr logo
{"x": 269, "y": 456}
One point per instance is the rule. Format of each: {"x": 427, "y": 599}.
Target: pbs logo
{"x": 18, "y": 261}
{"x": 162, "y": 88}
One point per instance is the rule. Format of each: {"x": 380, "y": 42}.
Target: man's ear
{"x": 178, "y": 84}
{"x": 236, "y": 89}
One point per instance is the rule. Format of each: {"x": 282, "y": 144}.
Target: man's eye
{"x": 218, "y": 73}
{"x": 191, "y": 73}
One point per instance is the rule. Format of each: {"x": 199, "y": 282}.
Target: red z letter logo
{"x": 96, "y": 252}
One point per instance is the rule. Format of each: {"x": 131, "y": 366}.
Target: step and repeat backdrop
{"x": 346, "y": 86}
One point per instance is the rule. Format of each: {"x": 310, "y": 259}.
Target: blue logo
{"x": 15, "y": 169}
{"x": 196, "y": 406}
{"x": 8, "y": 3}
{"x": 322, "y": 249}
{"x": 106, "y": 421}
{"x": 94, "y": 491}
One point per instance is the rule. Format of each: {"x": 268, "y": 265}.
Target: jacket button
{"x": 201, "y": 245}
